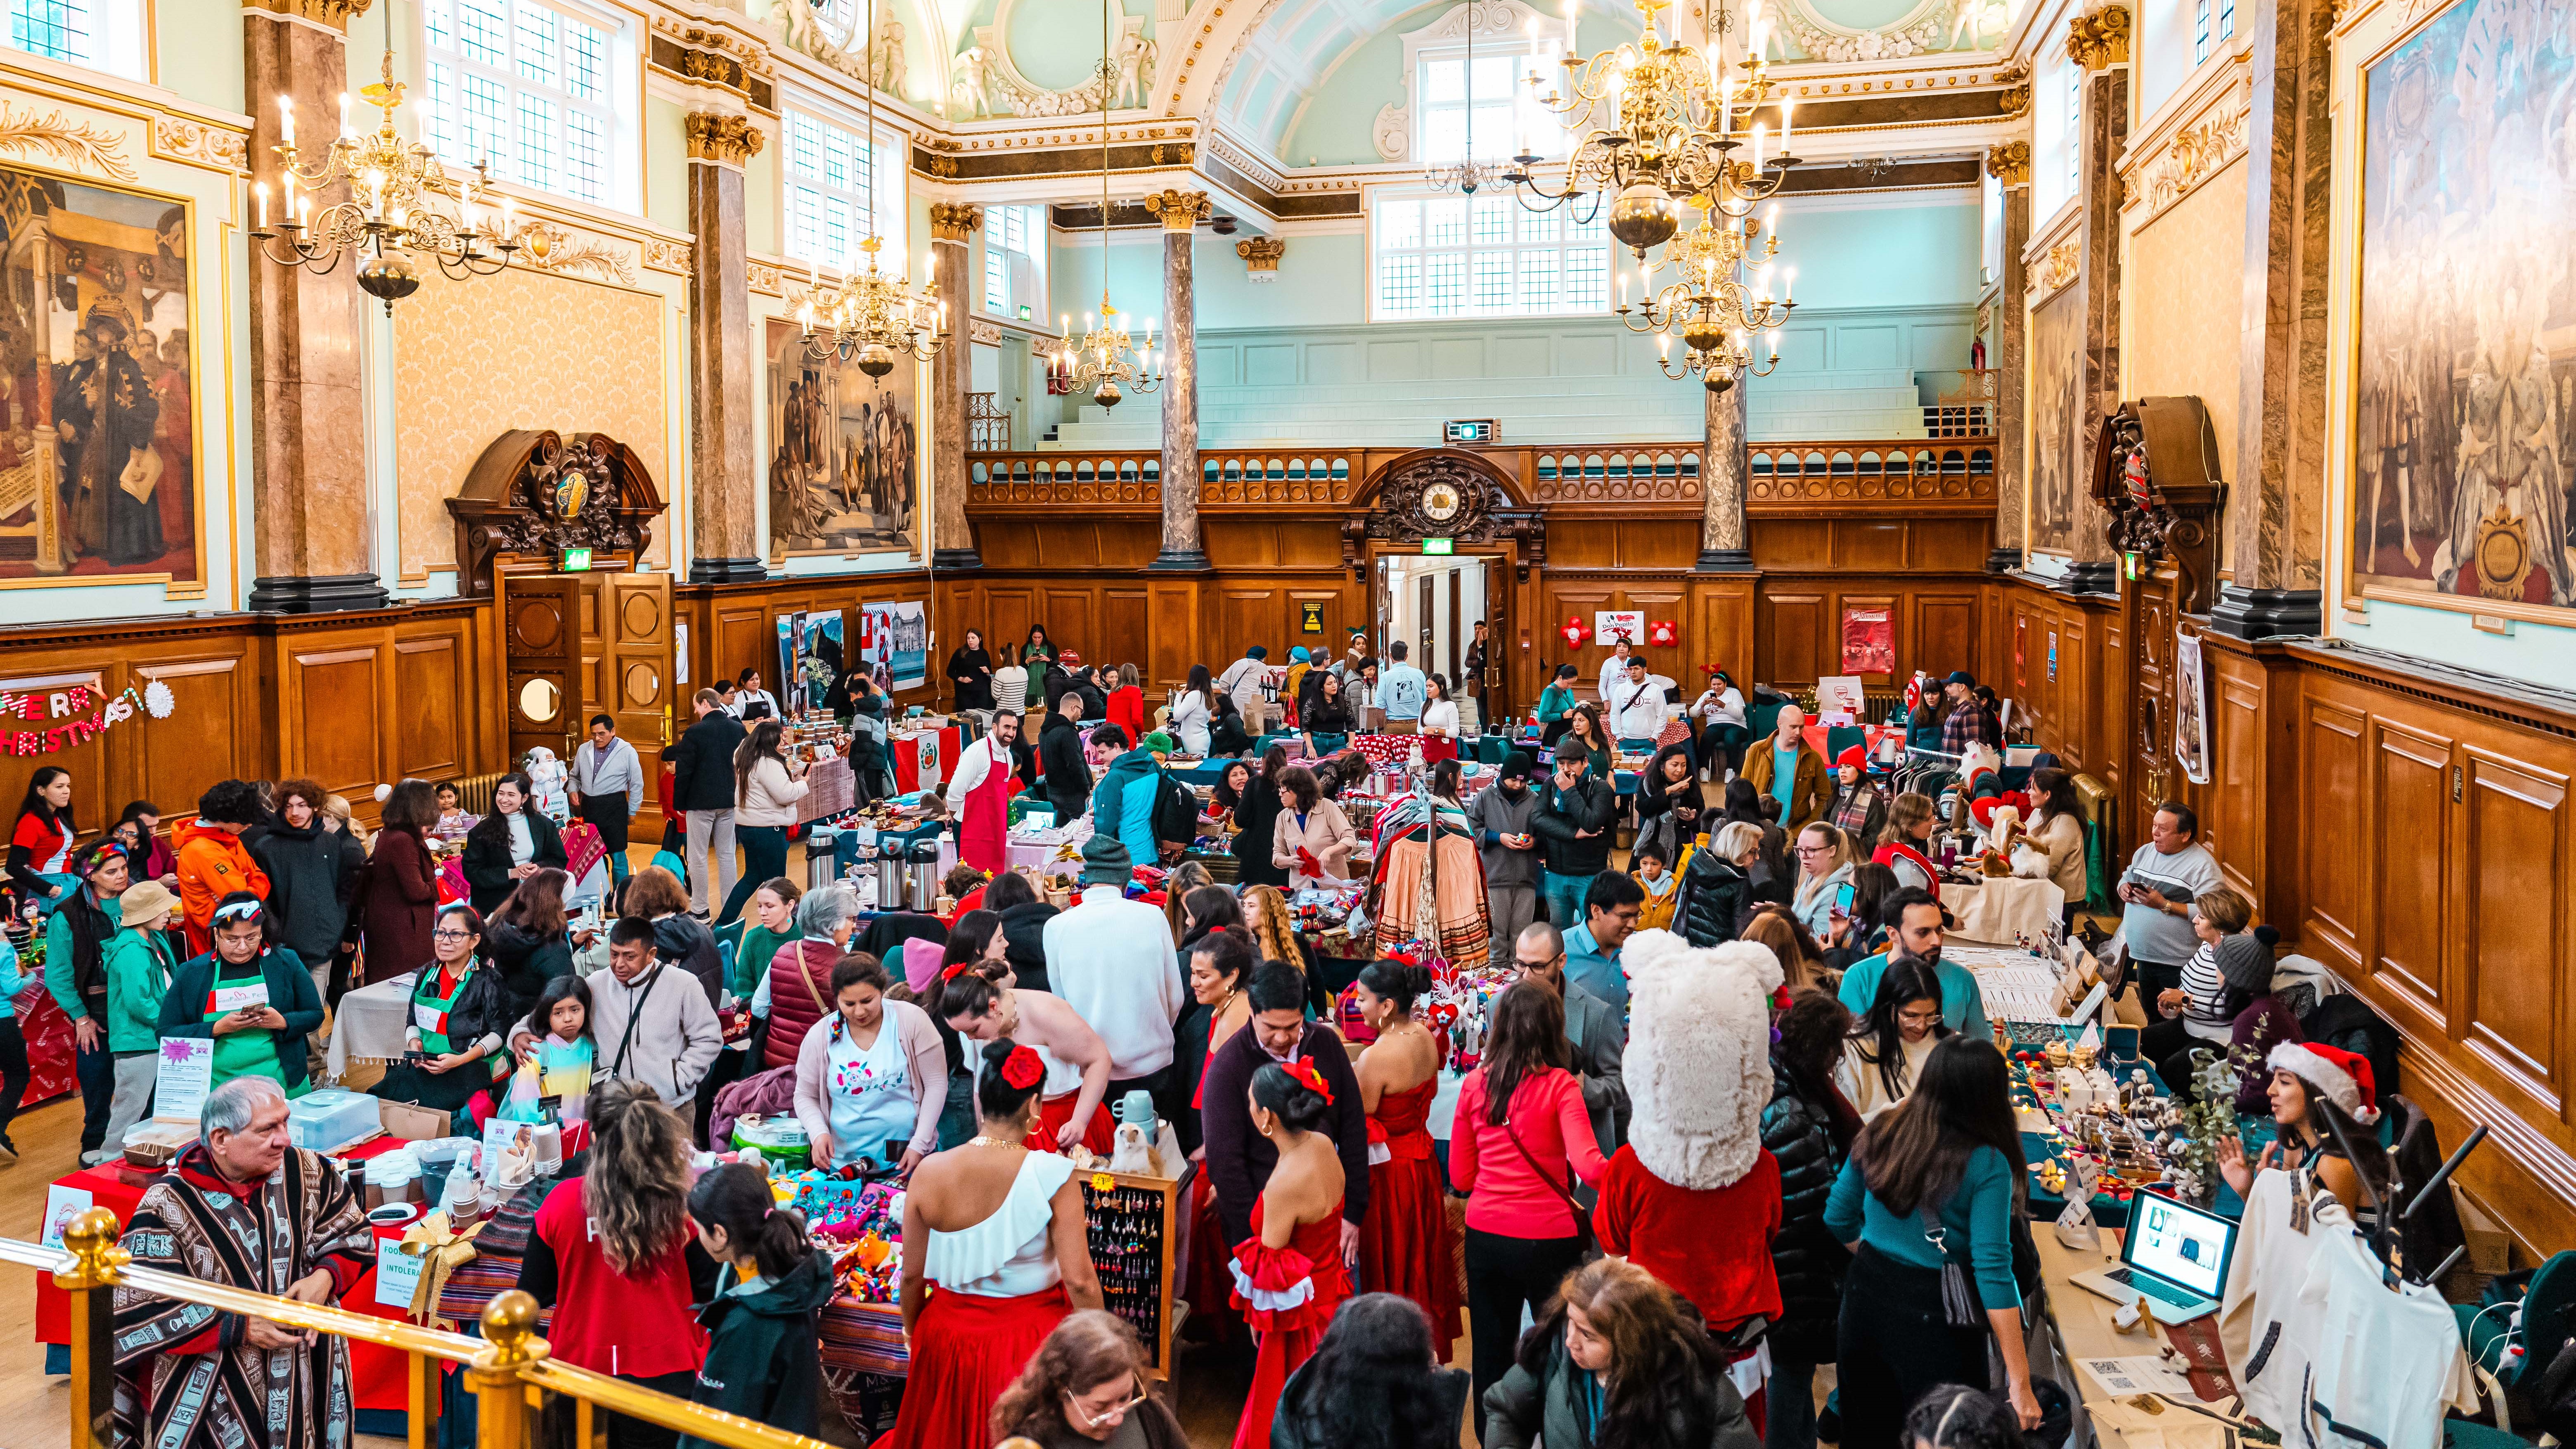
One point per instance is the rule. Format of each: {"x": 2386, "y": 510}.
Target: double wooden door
{"x": 578, "y": 645}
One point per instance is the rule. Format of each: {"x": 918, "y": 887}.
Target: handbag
{"x": 1961, "y": 1307}
{"x": 1564, "y": 1191}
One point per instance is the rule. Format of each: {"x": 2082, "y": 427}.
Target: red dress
{"x": 1405, "y": 1243}
{"x": 1289, "y": 1296}
{"x": 968, "y": 1347}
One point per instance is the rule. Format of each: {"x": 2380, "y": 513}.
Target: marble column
{"x": 724, "y": 534}
{"x": 2273, "y": 531}
{"x": 951, "y": 224}
{"x": 1725, "y": 539}
{"x": 1183, "y": 547}
{"x": 2009, "y": 164}
{"x": 308, "y": 429}
{"x": 2099, "y": 41}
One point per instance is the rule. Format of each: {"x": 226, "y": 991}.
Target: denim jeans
{"x": 96, "y": 1071}
{"x": 764, "y": 859}
{"x": 1564, "y": 897}
{"x": 1789, "y": 1409}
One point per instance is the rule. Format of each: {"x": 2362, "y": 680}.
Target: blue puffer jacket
{"x": 1124, "y": 803}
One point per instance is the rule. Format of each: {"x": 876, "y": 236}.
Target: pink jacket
{"x": 1504, "y": 1196}
{"x": 922, "y": 1054}
{"x": 1327, "y": 833}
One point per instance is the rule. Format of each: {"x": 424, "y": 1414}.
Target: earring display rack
{"x": 1133, "y": 1232}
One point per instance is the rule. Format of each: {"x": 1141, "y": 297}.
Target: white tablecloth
{"x": 367, "y": 1026}
{"x": 1999, "y": 908}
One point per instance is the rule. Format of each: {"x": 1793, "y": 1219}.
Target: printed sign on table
{"x": 182, "y": 1077}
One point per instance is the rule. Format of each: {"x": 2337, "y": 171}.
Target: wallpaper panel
{"x": 2191, "y": 349}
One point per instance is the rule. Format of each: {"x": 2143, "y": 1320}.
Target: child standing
{"x": 1655, "y": 873}
{"x": 762, "y": 1359}
{"x": 565, "y": 1055}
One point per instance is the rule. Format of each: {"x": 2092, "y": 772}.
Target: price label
{"x": 1103, "y": 1182}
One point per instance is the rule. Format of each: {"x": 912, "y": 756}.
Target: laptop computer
{"x": 2173, "y": 1255}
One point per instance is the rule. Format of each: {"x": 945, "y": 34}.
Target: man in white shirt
{"x": 608, "y": 788}
{"x": 1400, "y": 692}
{"x": 1614, "y": 668}
{"x": 1111, "y": 959}
{"x": 1635, "y": 702}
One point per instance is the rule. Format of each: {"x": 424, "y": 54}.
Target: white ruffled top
{"x": 1008, "y": 1254}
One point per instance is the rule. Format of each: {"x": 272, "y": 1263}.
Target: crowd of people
{"x": 1731, "y": 1117}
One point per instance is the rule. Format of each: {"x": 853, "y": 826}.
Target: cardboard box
{"x": 2490, "y": 1246}
{"x": 410, "y": 1123}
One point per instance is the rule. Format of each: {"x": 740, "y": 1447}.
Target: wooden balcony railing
{"x": 1797, "y": 476}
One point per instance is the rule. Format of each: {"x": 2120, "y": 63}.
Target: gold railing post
{"x": 421, "y": 1378}
{"x": 91, "y": 1238}
{"x": 506, "y": 1404}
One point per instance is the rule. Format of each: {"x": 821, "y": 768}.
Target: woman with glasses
{"x": 461, "y": 1013}
{"x": 1001, "y": 1230}
{"x": 1086, "y": 1386}
{"x": 1883, "y": 1056}
{"x": 1824, "y": 857}
{"x": 256, "y": 1000}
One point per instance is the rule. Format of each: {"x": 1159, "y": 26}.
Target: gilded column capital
{"x": 2100, "y": 39}
{"x": 1261, "y": 256}
{"x": 335, "y": 13}
{"x": 1180, "y": 210}
{"x": 954, "y": 221}
{"x": 2009, "y": 162}
{"x": 728, "y": 140}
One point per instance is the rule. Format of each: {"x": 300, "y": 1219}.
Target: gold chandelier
{"x": 1709, "y": 304}
{"x": 396, "y": 211}
{"x": 872, "y": 319}
{"x": 1107, "y": 359}
{"x": 1656, "y": 127}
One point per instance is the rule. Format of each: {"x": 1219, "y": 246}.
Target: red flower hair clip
{"x": 1304, "y": 1071}
{"x": 1022, "y": 1069}
{"x": 955, "y": 970}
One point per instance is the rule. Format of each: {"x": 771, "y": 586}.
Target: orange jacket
{"x": 212, "y": 865}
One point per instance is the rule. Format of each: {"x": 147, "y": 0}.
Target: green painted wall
{"x": 200, "y": 52}
{"x": 666, "y": 163}
{"x": 762, "y": 233}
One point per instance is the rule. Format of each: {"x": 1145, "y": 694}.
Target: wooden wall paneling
{"x": 1940, "y": 634}
{"x": 1721, "y": 631}
{"x": 1071, "y": 619}
{"x": 1796, "y": 635}
{"x": 1176, "y": 641}
{"x": 2409, "y": 846}
{"x": 1125, "y": 627}
{"x": 745, "y": 635}
{"x": 433, "y": 694}
{"x": 2333, "y": 802}
{"x": 335, "y": 703}
{"x": 2232, "y": 806}
{"x": 1787, "y": 545}
{"x": 210, "y": 735}
{"x": 2513, "y": 865}
{"x": 1574, "y": 599}
{"x": 1872, "y": 546}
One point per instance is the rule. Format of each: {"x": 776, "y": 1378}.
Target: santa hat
{"x": 1855, "y": 758}
{"x": 2343, "y": 1076}
{"x": 1699, "y": 1056}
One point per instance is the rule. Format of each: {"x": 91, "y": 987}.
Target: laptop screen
{"x": 2178, "y": 1243}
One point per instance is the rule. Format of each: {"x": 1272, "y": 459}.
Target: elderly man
{"x": 1788, "y": 770}
{"x": 1595, "y": 1029}
{"x": 245, "y": 1209}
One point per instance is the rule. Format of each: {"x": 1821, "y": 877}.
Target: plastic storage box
{"x": 328, "y": 1120}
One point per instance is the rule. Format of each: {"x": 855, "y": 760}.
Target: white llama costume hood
{"x": 1699, "y": 1056}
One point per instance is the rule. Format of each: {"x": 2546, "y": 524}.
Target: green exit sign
{"x": 578, "y": 559}
{"x": 1440, "y": 545}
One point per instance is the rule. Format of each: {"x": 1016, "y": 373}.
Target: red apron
{"x": 984, "y": 825}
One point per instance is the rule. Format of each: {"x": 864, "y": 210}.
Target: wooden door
{"x": 637, "y": 675}
{"x": 541, "y": 652}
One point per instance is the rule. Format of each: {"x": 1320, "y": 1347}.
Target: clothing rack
{"x": 2385, "y": 1217}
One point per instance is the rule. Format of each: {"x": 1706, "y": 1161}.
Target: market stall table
{"x": 368, "y": 1026}
{"x": 831, "y": 787}
{"x": 375, "y": 1372}
{"x": 2002, "y": 909}
{"x": 2079, "y": 1331}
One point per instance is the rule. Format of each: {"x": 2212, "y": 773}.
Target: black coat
{"x": 1024, "y": 935}
{"x": 1227, "y": 738}
{"x": 1591, "y": 805}
{"x": 1680, "y": 817}
{"x": 971, "y": 671}
{"x": 524, "y": 963}
{"x": 312, "y": 877}
{"x": 1256, "y": 820}
{"x": 1798, "y": 1132}
{"x": 685, "y": 942}
{"x": 487, "y": 855}
{"x": 764, "y": 1359}
{"x": 1176, "y": 814}
{"x": 1068, "y": 773}
{"x": 702, "y": 763}
{"x": 1715, "y": 898}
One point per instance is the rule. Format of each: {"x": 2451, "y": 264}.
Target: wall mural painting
{"x": 2465, "y": 444}
{"x": 841, "y": 454}
{"x": 2057, "y": 431}
{"x": 94, "y": 308}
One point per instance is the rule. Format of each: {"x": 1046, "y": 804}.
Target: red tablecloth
{"x": 1816, "y": 738}
{"x": 376, "y": 1372}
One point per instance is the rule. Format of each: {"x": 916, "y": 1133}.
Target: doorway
{"x": 1432, "y": 602}
{"x": 579, "y": 644}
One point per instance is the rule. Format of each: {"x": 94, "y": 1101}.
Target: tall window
{"x": 2226, "y": 19}
{"x": 2199, "y": 31}
{"x": 2075, "y": 127}
{"x": 1508, "y": 114}
{"x": 828, "y": 166}
{"x": 1015, "y": 261}
{"x": 105, "y": 34}
{"x": 531, "y": 89}
{"x": 1486, "y": 256}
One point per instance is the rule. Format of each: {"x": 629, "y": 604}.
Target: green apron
{"x": 429, "y": 1017}
{"x": 250, "y": 1053}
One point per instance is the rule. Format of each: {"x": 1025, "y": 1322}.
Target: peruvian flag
{"x": 1914, "y": 692}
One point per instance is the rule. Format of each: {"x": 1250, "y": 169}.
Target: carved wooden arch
{"x": 536, "y": 492}
{"x": 1391, "y": 507}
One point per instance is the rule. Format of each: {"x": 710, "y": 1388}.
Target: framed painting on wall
{"x": 1869, "y": 639}
{"x": 2056, "y": 418}
{"x": 843, "y": 449}
{"x": 2191, "y": 710}
{"x": 98, "y": 461}
{"x": 2464, "y": 441}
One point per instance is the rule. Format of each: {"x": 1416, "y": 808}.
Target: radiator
{"x": 474, "y": 792}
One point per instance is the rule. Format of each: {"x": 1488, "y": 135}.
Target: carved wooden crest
{"x": 2156, "y": 473}
{"x": 1443, "y": 493}
{"x": 534, "y": 494}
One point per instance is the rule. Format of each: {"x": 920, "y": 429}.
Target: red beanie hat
{"x": 1855, "y": 758}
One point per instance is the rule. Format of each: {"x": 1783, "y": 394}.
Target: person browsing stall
{"x": 978, "y": 1001}
{"x": 871, "y": 1077}
{"x": 256, "y": 1000}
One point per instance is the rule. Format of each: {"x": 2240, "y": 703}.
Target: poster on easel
{"x": 894, "y": 640}
{"x": 2191, "y": 711}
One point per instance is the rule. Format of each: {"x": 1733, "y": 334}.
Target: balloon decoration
{"x": 1575, "y": 631}
{"x": 1663, "y": 633}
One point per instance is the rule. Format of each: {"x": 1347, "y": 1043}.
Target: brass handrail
{"x": 508, "y": 1369}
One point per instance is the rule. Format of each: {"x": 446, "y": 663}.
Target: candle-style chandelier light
{"x": 1654, "y": 125}
{"x": 870, "y": 318}
{"x": 1467, "y": 173}
{"x": 1107, "y": 359}
{"x": 397, "y": 210}
{"x": 1710, "y": 304}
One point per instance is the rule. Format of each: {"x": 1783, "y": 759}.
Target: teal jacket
{"x": 59, "y": 952}
{"x": 138, "y": 980}
{"x": 1554, "y": 703}
{"x": 1963, "y": 1004}
{"x": 290, "y": 990}
{"x": 1123, "y": 804}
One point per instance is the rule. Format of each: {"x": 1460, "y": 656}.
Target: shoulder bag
{"x": 1564, "y": 1191}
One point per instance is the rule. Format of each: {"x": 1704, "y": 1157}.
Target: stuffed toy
{"x": 1699, "y": 1056}
{"x": 550, "y": 778}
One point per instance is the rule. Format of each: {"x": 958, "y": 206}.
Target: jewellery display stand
{"x": 1133, "y": 1230}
